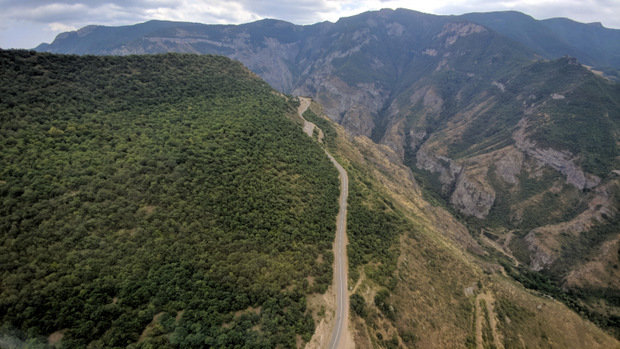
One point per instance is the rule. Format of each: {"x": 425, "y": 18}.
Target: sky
{"x": 27, "y": 23}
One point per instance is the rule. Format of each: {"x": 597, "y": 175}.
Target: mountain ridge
{"x": 556, "y": 37}
{"x": 559, "y": 33}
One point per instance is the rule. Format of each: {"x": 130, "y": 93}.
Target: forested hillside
{"x": 157, "y": 201}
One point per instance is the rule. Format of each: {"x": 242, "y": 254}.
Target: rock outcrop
{"x": 470, "y": 198}
{"x": 448, "y": 170}
{"x": 453, "y": 31}
{"x": 394, "y": 137}
{"x": 358, "y": 120}
{"x": 354, "y": 107}
{"x": 562, "y": 161}
{"x": 509, "y": 166}
{"x": 543, "y": 242}
{"x": 540, "y": 254}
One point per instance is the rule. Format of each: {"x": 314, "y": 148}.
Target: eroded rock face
{"x": 471, "y": 199}
{"x": 394, "y": 137}
{"x": 395, "y": 29}
{"x": 397, "y": 136}
{"x": 540, "y": 255}
{"x": 417, "y": 138}
{"x": 358, "y": 121}
{"x": 399, "y": 178}
{"x": 448, "y": 170}
{"x": 272, "y": 62}
{"x": 432, "y": 100}
{"x": 562, "y": 161}
{"x": 509, "y": 166}
{"x": 352, "y": 106}
{"x": 543, "y": 242}
{"x": 453, "y": 31}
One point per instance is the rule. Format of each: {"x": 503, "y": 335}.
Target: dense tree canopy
{"x": 170, "y": 191}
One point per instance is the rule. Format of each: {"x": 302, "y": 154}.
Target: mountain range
{"x": 592, "y": 44}
{"x": 494, "y": 131}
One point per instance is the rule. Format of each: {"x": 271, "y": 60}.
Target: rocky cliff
{"x": 559, "y": 160}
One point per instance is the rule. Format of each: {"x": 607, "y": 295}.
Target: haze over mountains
{"x": 482, "y": 148}
{"x": 591, "y": 43}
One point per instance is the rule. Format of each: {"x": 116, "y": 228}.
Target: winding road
{"x": 339, "y": 332}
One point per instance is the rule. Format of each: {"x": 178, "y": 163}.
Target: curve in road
{"x": 341, "y": 323}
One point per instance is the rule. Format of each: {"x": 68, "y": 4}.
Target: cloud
{"x": 61, "y": 27}
{"x": 301, "y": 10}
{"x": 586, "y": 11}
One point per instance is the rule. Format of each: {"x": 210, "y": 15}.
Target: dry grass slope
{"x": 441, "y": 273}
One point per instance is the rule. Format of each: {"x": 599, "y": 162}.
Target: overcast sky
{"x": 27, "y": 23}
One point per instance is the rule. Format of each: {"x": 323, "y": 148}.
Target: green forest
{"x": 157, "y": 201}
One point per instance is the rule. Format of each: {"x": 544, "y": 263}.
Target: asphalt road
{"x": 341, "y": 268}
{"x": 341, "y": 323}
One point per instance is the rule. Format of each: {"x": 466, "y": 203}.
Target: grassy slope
{"x": 170, "y": 185}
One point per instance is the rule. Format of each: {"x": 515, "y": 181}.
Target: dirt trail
{"x": 487, "y": 308}
{"x": 340, "y": 336}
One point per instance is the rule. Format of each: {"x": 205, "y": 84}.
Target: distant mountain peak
{"x": 86, "y": 30}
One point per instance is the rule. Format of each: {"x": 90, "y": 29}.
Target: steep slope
{"x": 528, "y": 157}
{"x": 412, "y": 282}
{"x": 157, "y": 201}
